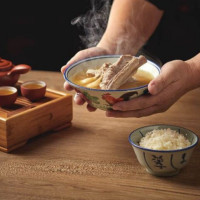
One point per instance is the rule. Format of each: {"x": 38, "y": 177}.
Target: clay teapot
{"x": 10, "y": 73}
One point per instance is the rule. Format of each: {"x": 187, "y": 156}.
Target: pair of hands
{"x": 165, "y": 90}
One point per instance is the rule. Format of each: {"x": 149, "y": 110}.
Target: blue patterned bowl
{"x": 162, "y": 162}
{"x": 104, "y": 99}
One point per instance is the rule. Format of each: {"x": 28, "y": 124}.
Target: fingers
{"x": 159, "y": 84}
{"x": 67, "y": 86}
{"x": 71, "y": 61}
{"x": 132, "y": 113}
{"x": 80, "y": 55}
{"x": 135, "y": 104}
{"x": 74, "y": 59}
{"x": 86, "y": 53}
{"x": 90, "y": 108}
{"x": 79, "y": 100}
{"x": 167, "y": 76}
{"x": 146, "y": 104}
{"x": 159, "y": 88}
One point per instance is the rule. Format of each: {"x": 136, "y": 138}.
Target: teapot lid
{"x": 5, "y": 65}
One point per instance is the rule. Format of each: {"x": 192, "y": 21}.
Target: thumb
{"x": 160, "y": 83}
{"x": 63, "y": 68}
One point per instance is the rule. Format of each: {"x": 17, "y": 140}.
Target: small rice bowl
{"x": 164, "y": 139}
{"x": 167, "y": 148}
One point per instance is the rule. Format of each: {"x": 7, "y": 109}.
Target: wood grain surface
{"x": 93, "y": 160}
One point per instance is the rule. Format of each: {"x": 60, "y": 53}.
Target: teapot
{"x": 10, "y": 73}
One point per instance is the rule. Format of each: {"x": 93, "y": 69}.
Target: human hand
{"x": 94, "y": 51}
{"x": 173, "y": 82}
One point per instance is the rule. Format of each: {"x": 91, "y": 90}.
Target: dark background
{"x": 41, "y": 35}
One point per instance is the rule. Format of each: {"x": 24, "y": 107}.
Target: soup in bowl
{"x": 86, "y": 77}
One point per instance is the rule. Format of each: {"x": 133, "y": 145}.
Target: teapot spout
{"x": 19, "y": 69}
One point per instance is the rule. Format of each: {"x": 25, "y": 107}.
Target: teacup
{"x": 33, "y": 90}
{"x": 8, "y": 95}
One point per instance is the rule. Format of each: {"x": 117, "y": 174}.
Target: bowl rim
{"x": 42, "y": 83}
{"x": 67, "y": 70}
{"x": 163, "y": 151}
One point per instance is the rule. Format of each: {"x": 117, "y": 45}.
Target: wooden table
{"x": 93, "y": 160}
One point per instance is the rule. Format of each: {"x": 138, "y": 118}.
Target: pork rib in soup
{"x": 122, "y": 74}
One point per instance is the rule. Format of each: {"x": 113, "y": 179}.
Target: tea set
{"x": 9, "y": 76}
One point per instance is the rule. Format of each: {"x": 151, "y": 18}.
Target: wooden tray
{"x": 26, "y": 119}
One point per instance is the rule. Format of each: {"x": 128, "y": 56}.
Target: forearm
{"x": 131, "y": 23}
{"x": 194, "y": 67}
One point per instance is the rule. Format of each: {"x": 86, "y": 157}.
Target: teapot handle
{"x": 19, "y": 69}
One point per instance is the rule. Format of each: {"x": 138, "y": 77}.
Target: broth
{"x": 140, "y": 78}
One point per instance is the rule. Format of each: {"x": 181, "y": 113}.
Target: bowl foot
{"x": 173, "y": 173}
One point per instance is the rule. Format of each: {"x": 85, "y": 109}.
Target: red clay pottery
{"x": 33, "y": 90}
{"x": 8, "y": 95}
{"x": 10, "y": 73}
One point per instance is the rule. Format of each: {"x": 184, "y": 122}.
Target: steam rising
{"x": 94, "y": 22}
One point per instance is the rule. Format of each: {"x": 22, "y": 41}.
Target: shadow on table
{"x": 189, "y": 175}
{"x": 54, "y": 139}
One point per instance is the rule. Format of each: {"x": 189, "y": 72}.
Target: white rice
{"x": 164, "y": 139}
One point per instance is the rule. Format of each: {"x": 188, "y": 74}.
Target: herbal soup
{"x": 141, "y": 78}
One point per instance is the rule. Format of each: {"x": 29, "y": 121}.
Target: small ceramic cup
{"x": 8, "y": 95}
{"x": 33, "y": 90}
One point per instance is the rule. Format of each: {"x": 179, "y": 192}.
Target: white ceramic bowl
{"x": 104, "y": 99}
{"x": 162, "y": 162}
